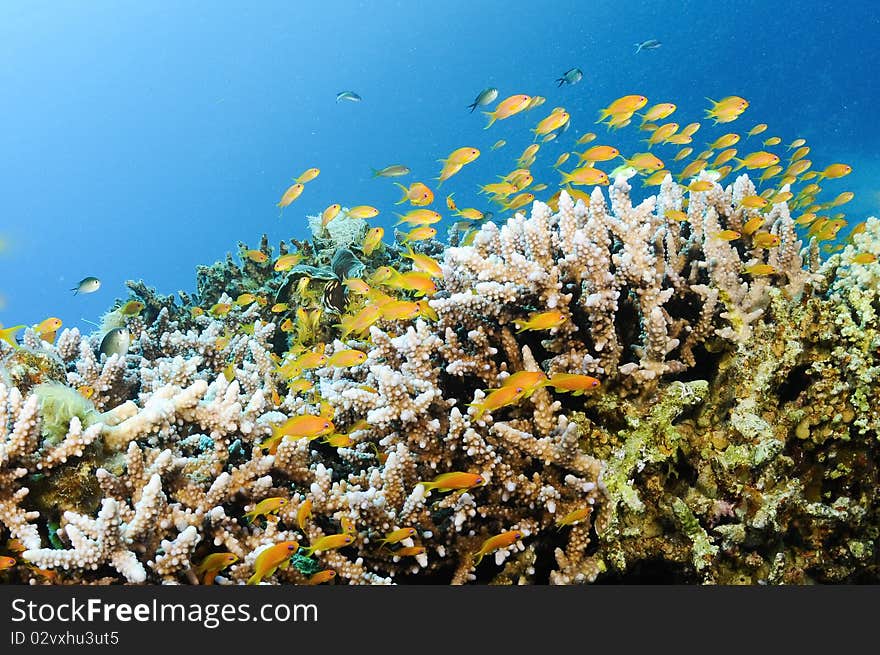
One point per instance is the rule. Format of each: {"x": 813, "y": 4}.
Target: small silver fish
{"x": 396, "y": 170}
{"x": 351, "y": 96}
{"x": 650, "y": 44}
{"x": 87, "y": 285}
{"x": 571, "y": 76}
{"x": 116, "y": 342}
{"x": 483, "y": 98}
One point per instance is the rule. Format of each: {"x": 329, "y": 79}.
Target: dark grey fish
{"x": 571, "y": 76}
{"x": 650, "y": 44}
{"x": 116, "y": 342}
{"x": 333, "y": 298}
{"x": 483, "y": 98}
{"x": 351, "y": 96}
{"x": 87, "y": 285}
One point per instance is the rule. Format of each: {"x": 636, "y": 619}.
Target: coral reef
{"x": 732, "y": 437}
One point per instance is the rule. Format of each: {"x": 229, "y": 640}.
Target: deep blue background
{"x": 140, "y": 139}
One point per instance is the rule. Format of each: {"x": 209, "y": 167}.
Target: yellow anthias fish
{"x": 690, "y": 129}
{"x": 497, "y": 542}
{"x": 292, "y": 193}
{"x": 6, "y": 562}
{"x": 598, "y": 153}
{"x": 724, "y": 141}
{"x": 448, "y": 171}
{"x": 347, "y": 358}
{"x": 304, "y": 426}
{"x": 864, "y": 258}
{"x": 245, "y": 299}
{"x": 760, "y": 127}
{"x": 765, "y": 240}
{"x": 400, "y": 310}
{"x": 470, "y": 213}
{"x": 723, "y": 157}
{"x": 507, "y": 108}
{"x": 279, "y": 308}
{"x": 772, "y": 141}
{"x": 213, "y": 564}
{"x": 372, "y": 240}
{"x": 498, "y": 398}
{"x": 727, "y": 235}
{"x": 424, "y": 263}
{"x": 419, "y": 217}
{"x": 303, "y": 513}
{"x": 363, "y": 212}
{"x": 574, "y": 517}
{"x": 266, "y": 507}
{"x": 571, "y": 382}
{"x": 529, "y": 152}
{"x": 760, "y": 269}
{"x": 623, "y": 105}
{"x": 330, "y": 542}
{"x": 361, "y": 321}
{"x": 658, "y": 112}
{"x": 675, "y": 215}
{"x": 524, "y": 199}
{"x": 835, "y": 171}
{"x": 528, "y": 381}
{"x": 453, "y": 481}
{"x": 418, "y": 194}
{"x": 321, "y": 577}
{"x": 396, "y": 536}
{"x": 500, "y": 143}
{"x": 586, "y": 175}
{"x": 700, "y": 185}
{"x": 357, "y": 285}
{"x": 330, "y": 213}
{"x": 450, "y": 203}
{"x": 461, "y": 156}
{"x": 272, "y": 558}
{"x": 586, "y": 138}
{"x": 661, "y": 134}
{"x": 681, "y": 154}
{"x": 753, "y": 224}
{"x": 771, "y": 171}
{"x": 553, "y": 122}
{"x": 561, "y": 160}
{"x": 308, "y": 175}
{"x": 645, "y": 161}
{"x": 47, "y": 326}
{"x": 760, "y": 159}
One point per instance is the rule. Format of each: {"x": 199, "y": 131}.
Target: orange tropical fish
{"x": 727, "y": 235}
{"x": 724, "y": 141}
{"x": 586, "y": 175}
{"x": 47, "y": 326}
{"x": 765, "y": 240}
{"x": 598, "y": 153}
{"x": 304, "y": 426}
{"x": 346, "y": 358}
{"x": 662, "y": 134}
{"x": 753, "y": 202}
{"x": 308, "y": 175}
{"x": 372, "y": 240}
{"x": 418, "y": 194}
{"x": 424, "y": 263}
{"x": 645, "y": 161}
{"x": 461, "y": 156}
{"x": 542, "y": 321}
{"x": 497, "y": 399}
{"x": 245, "y": 299}
{"x": 453, "y": 481}
{"x": 419, "y": 217}
{"x": 507, "y": 108}
{"x": 256, "y": 256}
{"x": 658, "y": 112}
{"x": 363, "y": 211}
{"x": 552, "y": 123}
{"x": 361, "y": 321}
{"x": 574, "y": 516}
{"x": 330, "y": 213}
{"x": 760, "y": 159}
{"x": 400, "y": 310}
{"x": 623, "y": 105}
{"x": 529, "y": 381}
{"x": 753, "y": 224}
{"x": 397, "y": 536}
{"x": 409, "y": 551}
{"x": 292, "y": 193}
{"x": 266, "y": 507}
{"x": 86, "y": 391}
{"x": 272, "y": 558}
{"x": 864, "y": 258}
{"x": 700, "y": 185}
{"x": 450, "y": 203}
{"x": 220, "y": 309}
{"x": 760, "y": 269}
{"x": 303, "y": 513}
{"x": 675, "y": 215}
{"x": 834, "y": 171}
{"x": 330, "y": 542}
{"x": 6, "y": 562}
{"x": 213, "y": 564}
{"x": 321, "y": 577}
{"x": 577, "y": 384}
{"x": 492, "y": 544}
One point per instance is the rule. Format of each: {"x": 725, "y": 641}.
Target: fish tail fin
{"x": 472, "y": 106}
{"x": 638, "y": 47}
{"x": 603, "y": 114}
{"x": 560, "y": 81}
{"x": 376, "y": 172}
{"x": 75, "y": 290}
{"x": 740, "y": 163}
{"x": 492, "y": 118}
{"x": 405, "y": 196}
{"x": 255, "y": 578}
{"x": 477, "y": 558}
{"x": 566, "y": 178}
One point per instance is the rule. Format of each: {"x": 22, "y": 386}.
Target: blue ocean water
{"x": 138, "y": 140}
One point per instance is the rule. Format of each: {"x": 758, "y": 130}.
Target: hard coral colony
{"x": 676, "y": 390}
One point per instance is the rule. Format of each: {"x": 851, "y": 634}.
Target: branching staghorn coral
{"x": 732, "y": 438}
